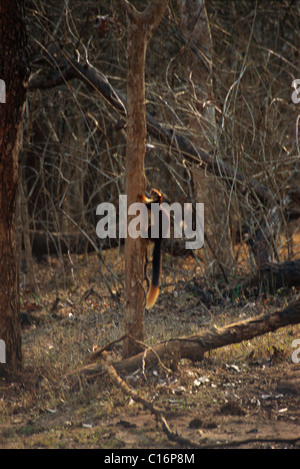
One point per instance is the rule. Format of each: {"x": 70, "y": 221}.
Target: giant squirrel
{"x": 164, "y": 223}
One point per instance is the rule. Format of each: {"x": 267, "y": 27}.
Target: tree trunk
{"x": 140, "y": 29}
{"x": 13, "y": 70}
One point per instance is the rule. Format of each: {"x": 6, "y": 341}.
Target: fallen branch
{"x": 194, "y": 347}
{"x": 273, "y": 276}
{"x": 118, "y": 381}
{"x": 235, "y": 443}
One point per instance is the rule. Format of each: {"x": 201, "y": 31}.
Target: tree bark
{"x": 13, "y": 70}
{"x": 140, "y": 28}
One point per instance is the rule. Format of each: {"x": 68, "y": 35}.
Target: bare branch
{"x": 94, "y": 79}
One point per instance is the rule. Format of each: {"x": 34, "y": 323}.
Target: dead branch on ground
{"x": 273, "y": 276}
{"x": 194, "y": 347}
{"x": 120, "y": 383}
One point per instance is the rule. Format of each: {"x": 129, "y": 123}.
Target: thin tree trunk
{"x": 140, "y": 29}
{"x": 13, "y": 70}
{"x": 135, "y": 182}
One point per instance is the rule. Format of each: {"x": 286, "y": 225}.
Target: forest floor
{"x": 245, "y": 395}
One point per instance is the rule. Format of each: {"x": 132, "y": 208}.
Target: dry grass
{"x": 40, "y": 410}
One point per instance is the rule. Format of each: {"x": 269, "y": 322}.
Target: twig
{"x": 246, "y": 441}
{"x": 148, "y": 348}
{"x": 95, "y": 355}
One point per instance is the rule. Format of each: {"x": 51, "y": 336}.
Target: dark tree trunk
{"x": 13, "y": 70}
